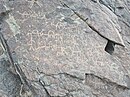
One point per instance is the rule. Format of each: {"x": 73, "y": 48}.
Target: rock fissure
{"x": 15, "y": 66}
{"x": 92, "y": 27}
{"x": 43, "y": 85}
{"x": 91, "y": 77}
{"x": 110, "y": 48}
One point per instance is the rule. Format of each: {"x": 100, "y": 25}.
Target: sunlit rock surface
{"x": 59, "y": 54}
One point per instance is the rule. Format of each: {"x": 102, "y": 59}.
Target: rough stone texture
{"x": 59, "y": 53}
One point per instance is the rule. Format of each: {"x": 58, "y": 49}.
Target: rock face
{"x": 65, "y": 48}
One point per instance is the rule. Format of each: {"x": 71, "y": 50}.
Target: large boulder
{"x": 52, "y": 50}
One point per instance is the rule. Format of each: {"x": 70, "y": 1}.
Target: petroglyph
{"x": 32, "y": 2}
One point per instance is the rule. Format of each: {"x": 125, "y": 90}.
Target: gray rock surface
{"x": 56, "y": 48}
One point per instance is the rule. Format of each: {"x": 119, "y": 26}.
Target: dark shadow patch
{"x": 95, "y": 1}
{"x": 110, "y": 47}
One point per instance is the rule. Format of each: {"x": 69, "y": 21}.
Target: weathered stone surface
{"x": 56, "y": 52}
